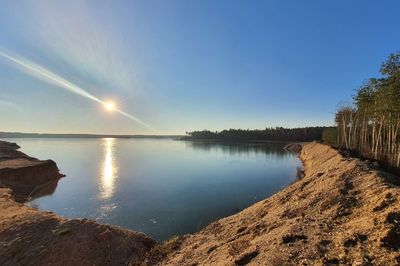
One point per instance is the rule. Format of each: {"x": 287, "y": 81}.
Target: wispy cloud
{"x": 81, "y": 41}
{"x": 50, "y": 77}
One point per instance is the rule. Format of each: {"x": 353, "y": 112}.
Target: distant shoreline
{"x": 51, "y": 135}
{"x": 249, "y": 141}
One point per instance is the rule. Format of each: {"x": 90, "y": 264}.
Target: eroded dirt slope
{"x": 32, "y": 237}
{"x": 24, "y": 174}
{"x": 340, "y": 212}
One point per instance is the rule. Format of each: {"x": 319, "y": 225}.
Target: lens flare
{"x": 110, "y": 106}
{"x": 46, "y": 75}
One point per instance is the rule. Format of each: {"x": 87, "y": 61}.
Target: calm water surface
{"x": 160, "y": 187}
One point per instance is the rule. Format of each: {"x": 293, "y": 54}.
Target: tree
{"x": 371, "y": 127}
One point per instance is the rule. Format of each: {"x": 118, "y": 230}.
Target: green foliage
{"x": 365, "y": 97}
{"x": 392, "y": 65}
{"x": 273, "y": 134}
{"x": 372, "y": 126}
{"x": 329, "y": 135}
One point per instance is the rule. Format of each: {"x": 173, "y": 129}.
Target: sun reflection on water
{"x": 109, "y": 169}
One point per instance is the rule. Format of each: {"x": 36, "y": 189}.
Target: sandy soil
{"x": 31, "y": 237}
{"x": 340, "y": 212}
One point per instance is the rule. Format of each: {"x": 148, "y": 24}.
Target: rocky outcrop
{"x": 340, "y": 212}
{"x": 32, "y": 237}
{"x": 9, "y": 150}
{"x": 23, "y": 174}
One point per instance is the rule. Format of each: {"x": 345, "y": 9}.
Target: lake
{"x": 161, "y": 187}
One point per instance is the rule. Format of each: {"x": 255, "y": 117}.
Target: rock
{"x": 24, "y": 174}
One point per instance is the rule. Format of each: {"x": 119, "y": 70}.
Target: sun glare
{"x": 109, "y": 106}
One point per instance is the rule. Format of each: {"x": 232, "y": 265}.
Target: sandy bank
{"x": 31, "y": 237}
{"x": 340, "y": 212}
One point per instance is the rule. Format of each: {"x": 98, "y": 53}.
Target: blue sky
{"x": 185, "y": 65}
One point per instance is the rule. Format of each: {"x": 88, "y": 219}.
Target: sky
{"x": 175, "y": 66}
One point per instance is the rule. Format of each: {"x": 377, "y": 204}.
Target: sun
{"x": 110, "y": 106}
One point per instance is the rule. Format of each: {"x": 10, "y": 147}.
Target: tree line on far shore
{"x": 268, "y": 134}
{"x": 370, "y": 126}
